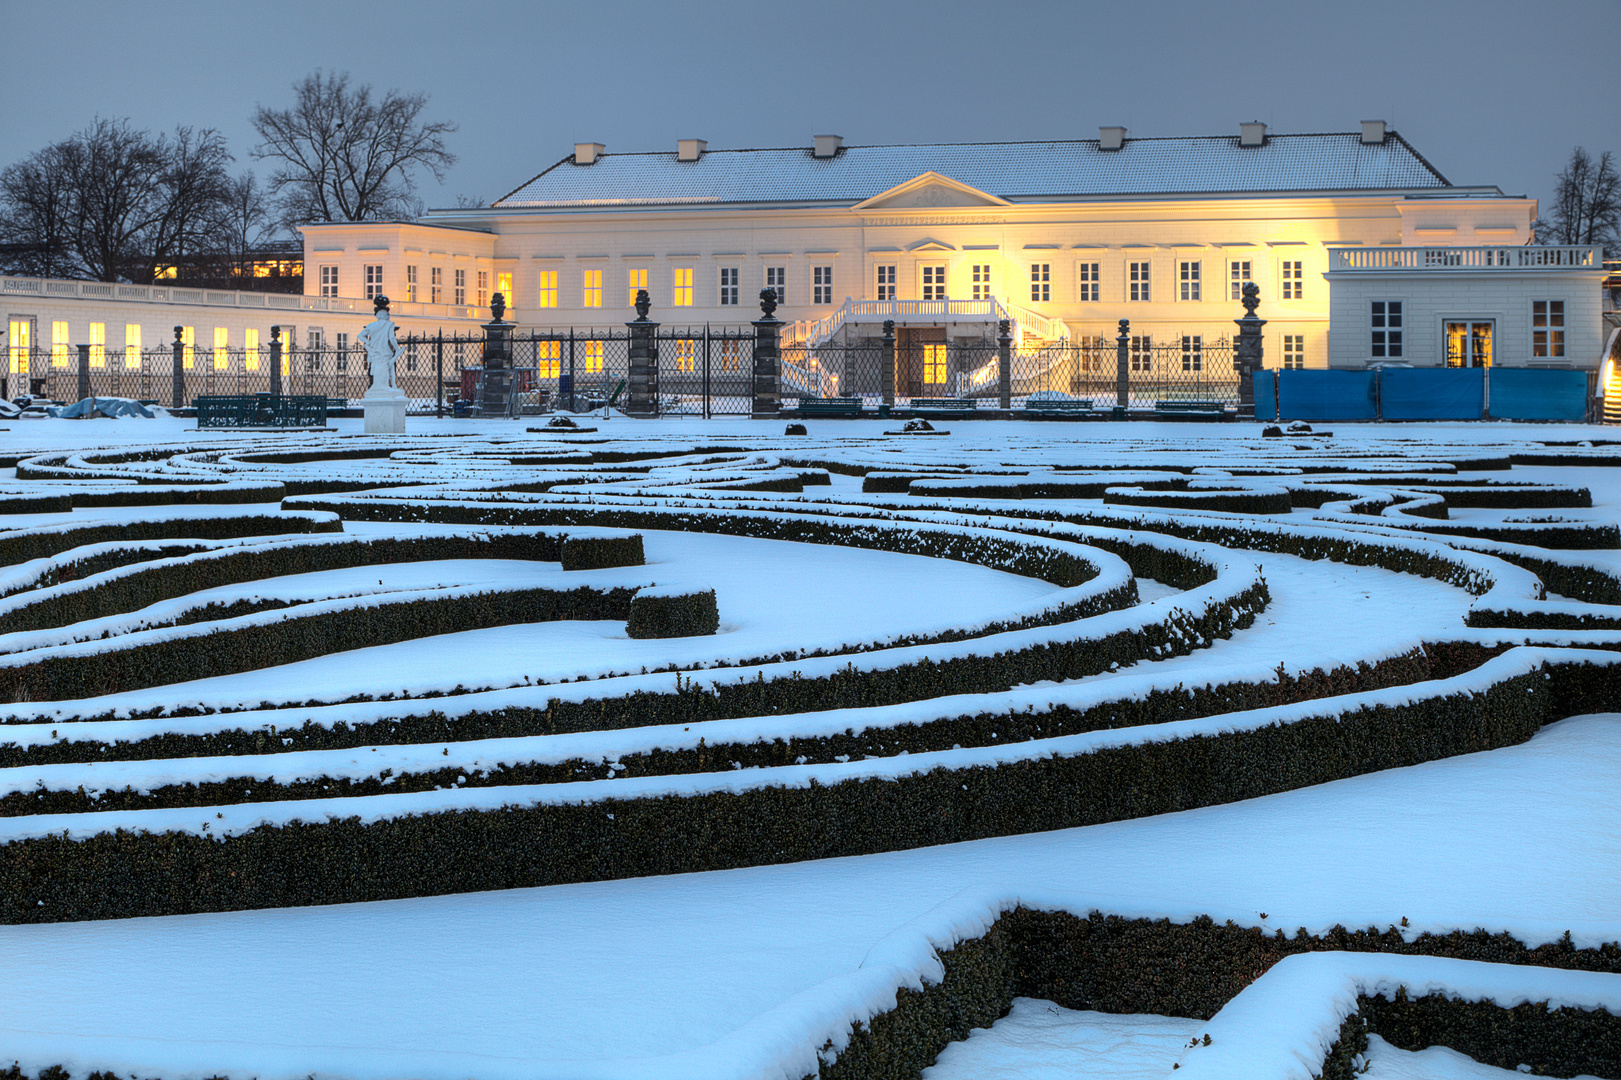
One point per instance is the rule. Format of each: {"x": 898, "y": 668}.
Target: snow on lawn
{"x": 746, "y": 972}
{"x": 1038, "y": 1040}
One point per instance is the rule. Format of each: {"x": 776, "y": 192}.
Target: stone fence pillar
{"x": 1004, "y": 364}
{"x": 886, "y": 364}
{"x": 1122, "y": 369}
{"x": 1247, "y": 350}
{"x": 177, "y": 379}
{"x": 643, "y": 398}
{"x": 767, "y": 359}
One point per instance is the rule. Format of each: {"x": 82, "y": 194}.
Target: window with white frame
{"x": 731, "y": 354}
{"x": 1138, "y": 280}
{"x": 886, "y": 281}
{"x": 1142, "y": 352}
{"x": 591, "y": 288}
{"x": 59, "y": 344}
{"x": 340, "y": 345}
{"x": 934, "y": 281}
{"x": 548, "y": 359}
{"x": 1187, "y": 280}
{"x": 98, "y": 343}
{"x": 374, "y": 280}
{"x": 460, "y": 289}
{"x": 1041, "y": 277}
{"x": 686, "y": 354}
{"x": 436, "y": 285}
{"x": 547, "y": 297}
{"x": 593, "y": 357}
{"x": 1547, "y": 328}
{"x": 503, "y": 285}
{"x": 410, "y": 284}
{"x": 329, "y": 281}
{"x": 682, "y": 281}
{"x": 980, "y": 279}
{"x": 483, "y": 288}
{"x": 250, "y": 348}
{"x": 1294, "y": 351}
{"x": 1192, "y": 352}
{"x": 1086, "y": 275}
{"x": 728, "y": 286}
{"x": 1385, "y": 321}
{"x": 636, "y": 278}
{"x": 776, "y": 277}
{"x": 222, "y": 347}
{"x": 1238, "y": 272}
{"x": 1294, "y": 280}
{"x": 821, "y": 284}
{"x": 132, "y": 345}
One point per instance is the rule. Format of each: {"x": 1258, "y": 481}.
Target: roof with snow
{"x": 1022, "y": 171}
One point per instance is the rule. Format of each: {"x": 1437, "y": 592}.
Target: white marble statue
{"x": 382, "y": 348}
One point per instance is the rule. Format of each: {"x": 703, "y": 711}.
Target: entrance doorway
{"x": 921, "y": 368}
{"x": 1469, "y": 342}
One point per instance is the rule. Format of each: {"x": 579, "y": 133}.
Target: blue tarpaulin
{"x": 1534, "y": 394}
{"x": 1266, "y": 395}
{"x": 1432, "y": 393}
{"x": 1326, "y": 395}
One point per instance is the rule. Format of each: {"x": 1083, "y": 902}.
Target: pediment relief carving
{"x": 931, "y": 191}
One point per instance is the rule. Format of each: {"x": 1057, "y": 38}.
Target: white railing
{"x": 50, "y": 288}
{"x": 811, "y": 333}
{"x": 1034, "y": 322}
{"x": 1441, "y": 257}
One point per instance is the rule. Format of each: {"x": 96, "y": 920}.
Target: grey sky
{"x": 1490, "y": 91}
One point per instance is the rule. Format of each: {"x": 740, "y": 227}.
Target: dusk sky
{"x": 1491, "y": 92}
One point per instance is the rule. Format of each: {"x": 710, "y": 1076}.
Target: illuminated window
{"x": 934, "y": 281}
{"x": 776, "y": 277}
{"x": 1041, "y": 276}
{"x": 980, "y": 275}
{"x": 886, "y": 282}
{"x": 132, "y": 345}
{"x": 548, "y": 359}
{"x": 411, "y": 284}
{"x": 1547, "y": 328}
{"x": 686, "y": 354}
{"x": 683, "y": 287}
{"x": 1187, "y": 280}
{"x": 329, "y": 281}
{"x": 593, "y": 289}
{"x": 821, "y": 284}
{"x": 503, "y": 285}
{"x": 59, "y": 344}
{"x": 638, "y": 282}
{"x": 460, "y": 293}
{"x": 1142, "y": 352}
{"x": 1192, "y": 352}
{"x": 548, "y": 288}
{"x": 728, "y": 286}
{"x": 1238, "y": 272}
{"x": 222, "y": 345}
{"x": 1386, "y": 323}
{"x": 1294, "y": 281}
{"x": 188, "y": 342}
{"x": 731, "y": 354}
{"x": 374, "y": 281}
{"x": 250, "y": 349}
{"x": 593, "y": 357}
{"x": 1137, "y": 277}
{"x": 21, "y": 344}
{"x": 436, "y": 284}
{"x": 1086, "y": 274}
{"x": 1294, "y": 350}
{"x": 98, "y": 344}
{"x": 483, "y": 288}
{"x": 934, "y": 363}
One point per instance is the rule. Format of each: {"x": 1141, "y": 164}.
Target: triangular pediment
{"x": 931, "y": 191}
{"x": 931, "y": 244}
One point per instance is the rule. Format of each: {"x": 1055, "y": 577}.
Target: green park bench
{"x": 945, "y": 408}
{"x": 1049, "y": 409}
{"x": 832, "y": 406}
{"x": 260, "y": 411}
{"x": 1189, "y": 410}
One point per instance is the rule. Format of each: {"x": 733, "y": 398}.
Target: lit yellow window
{"x": 22, "y": 343}
{"x": 548, "y": 288}
{"x": 593, "y": 356}
{"x": 59, "y": 344}
{"x": 250, "y": 349}
{"x": 503, "y": 285}
{"x": 731, "y": 352}
{"x": 132, "y": 345}
{"x": 683, "y": 287}
{"x": 593, "y": 288}
{"x": 638, "y": 280}
{"x": 549, "y": 359}
{"x": 686, "y": 354}
{"x": 934, "y": 363}
{"x": 188, "y": 339}
{"x": 222, "y": 342}
{"x": 98, "y": 344}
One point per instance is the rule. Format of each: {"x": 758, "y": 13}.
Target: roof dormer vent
{"x": 689, "y": 149}
{"x": 586, "y": 153}
{"x": 1111, "y": 138}
{"x": 827, "y": 146}
{"x": 1252, "y": 134}
{"x": 1373, "y": 133}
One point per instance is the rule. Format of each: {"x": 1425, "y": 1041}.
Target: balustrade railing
{"x": 1445, "y": 257}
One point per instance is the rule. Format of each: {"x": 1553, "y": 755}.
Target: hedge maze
{"x": 137, "y": 582}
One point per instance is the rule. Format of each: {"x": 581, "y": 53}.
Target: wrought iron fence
{"x": 1185, "y": 368}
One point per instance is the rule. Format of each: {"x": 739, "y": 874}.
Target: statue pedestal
{"x": 385, "y": 411}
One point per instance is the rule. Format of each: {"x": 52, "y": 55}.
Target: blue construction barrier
{"x": 1432, "y": 393}
{"x": 1537, "y": 394}
{"x": 1327, "y": 395}
{"x": 1266, "y": 395}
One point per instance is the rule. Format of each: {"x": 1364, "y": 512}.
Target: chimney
{"x": 1111, "y": 138}
{"x": 689, "y": 149}
{"x": 1373, "y": 133}
{"x": 586, "y": 153}
{"x": 1252, "y": 134}
{"x": 827, "y": 146}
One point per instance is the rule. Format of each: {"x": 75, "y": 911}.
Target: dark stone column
{"x": 275, "y": 361}
{"x": 767, "y": 359}
{"x": 1247, "y": 350}
{"x": 1122, "y": 369}
{"x": 84, "y": 372}
{"x": 177, "y": 383}
{"x": 643, "y": 399}
{"x": 496, "y": 399}
{"x": 1004, "y": 363}
{"x": 886, "y": 365}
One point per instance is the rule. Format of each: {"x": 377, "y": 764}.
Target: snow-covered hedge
{"x": 601, "y": 552}
{"x": 1259, "y": 499}
{"x": 44, "y": 541}
{"x": 664, "y": 611}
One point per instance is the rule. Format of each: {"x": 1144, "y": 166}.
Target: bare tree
{"x": 242, "y": 226}
{"x": 1586, "y": 204}
{"x": 36, "y": 203}
{"x": 340, "y": 155}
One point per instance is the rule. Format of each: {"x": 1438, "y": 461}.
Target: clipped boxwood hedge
{"x": 666, "y": 612}
{"x": 21, "y": 545}
{"x": 601, "y": 552}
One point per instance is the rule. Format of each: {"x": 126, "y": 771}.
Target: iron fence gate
{"x": 1188, "y": 367}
